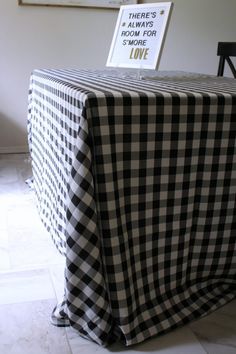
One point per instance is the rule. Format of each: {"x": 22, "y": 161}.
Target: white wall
{"x": 195, "y": 29}
{"x": 35, "y": 37}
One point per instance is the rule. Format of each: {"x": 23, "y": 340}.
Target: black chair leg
{"x": 221, "y": 66}
{"x": 231, "y": 65}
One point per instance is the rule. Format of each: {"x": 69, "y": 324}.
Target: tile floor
{"x": 31, "y": 281}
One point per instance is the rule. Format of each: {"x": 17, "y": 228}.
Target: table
{"x": 136, "y": 183}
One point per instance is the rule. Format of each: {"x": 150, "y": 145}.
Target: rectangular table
{"x": 136, "y": 183}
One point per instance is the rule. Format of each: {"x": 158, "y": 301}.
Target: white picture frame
{"x": 112, "y": 4}
{"x": 139, "y": 36}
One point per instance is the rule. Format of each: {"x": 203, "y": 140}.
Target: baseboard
{"x": 14, "y": 149}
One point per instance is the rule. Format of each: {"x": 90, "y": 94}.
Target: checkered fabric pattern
{"x": 136, "y": 182}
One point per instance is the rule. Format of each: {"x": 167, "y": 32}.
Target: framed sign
{"x": 79, "y": 3}
{"x": 139, "y": 35}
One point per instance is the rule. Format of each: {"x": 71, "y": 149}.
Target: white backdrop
{"x": 35, "y": 37}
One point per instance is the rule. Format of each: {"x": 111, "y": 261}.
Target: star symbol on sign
{"x": 162, "y": 12}
{"x": 123, "y": 24}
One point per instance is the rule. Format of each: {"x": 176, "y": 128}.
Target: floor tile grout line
{"x": 28, "y": 268}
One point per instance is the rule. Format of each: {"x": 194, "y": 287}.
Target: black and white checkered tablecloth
{"x": 136, "y": 182}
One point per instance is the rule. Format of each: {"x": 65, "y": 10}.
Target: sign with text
{"x": 139, "y": 35}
